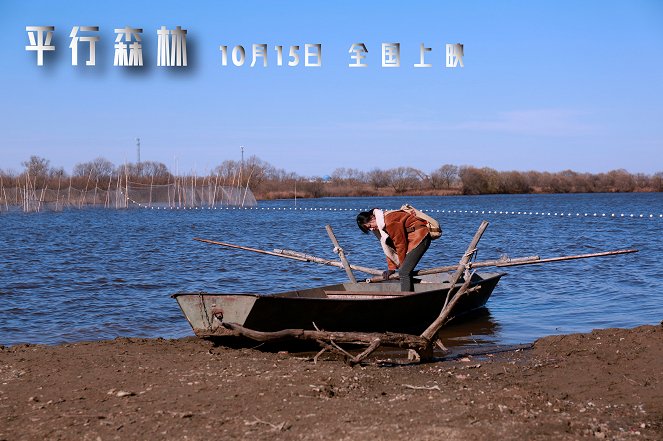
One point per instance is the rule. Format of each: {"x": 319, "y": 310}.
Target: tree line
{"x": 269, "y": 182}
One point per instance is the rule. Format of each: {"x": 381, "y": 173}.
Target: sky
{"x": 546, "y": 85}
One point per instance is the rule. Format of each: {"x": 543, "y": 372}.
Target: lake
{"x": 96, "y": 274}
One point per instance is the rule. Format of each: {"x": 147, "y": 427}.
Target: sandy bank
{"x": 606, "y": 384}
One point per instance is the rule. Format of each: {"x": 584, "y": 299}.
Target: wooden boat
{"x": 358, "y": 307}
{"x": 369, "y": 314}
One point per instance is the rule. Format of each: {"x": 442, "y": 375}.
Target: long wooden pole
{"x": 578, "y": 256}
{"x": 443, "y": 269}
{"x": 341, "y": 254}
{"x": 516, "y": 261}
{"x": 255, "y": 250}
{"x": 320, "y": 260}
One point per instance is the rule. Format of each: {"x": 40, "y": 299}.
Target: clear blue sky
{"x": 547, "y": 85}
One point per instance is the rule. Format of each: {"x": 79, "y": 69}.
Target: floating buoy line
{"x": 565, "y": 214}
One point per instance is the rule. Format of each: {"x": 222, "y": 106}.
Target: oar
{"x": 579, "y": 256}
{"x": 293, "y": 255}
{"x": 531, "y": 260}
{"x": 255, "y": 250}
{"x": 310, "y": 258}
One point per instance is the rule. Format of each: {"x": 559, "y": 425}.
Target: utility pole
{"x": 241, "y": 165}
{"x": 138, "y": 149}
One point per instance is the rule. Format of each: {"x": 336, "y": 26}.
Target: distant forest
{"x": 269, "y": 182}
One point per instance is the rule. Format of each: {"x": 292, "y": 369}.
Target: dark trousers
{"x": 411, "y": 260}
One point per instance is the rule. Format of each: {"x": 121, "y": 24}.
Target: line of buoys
{"x": 494, "y": 212}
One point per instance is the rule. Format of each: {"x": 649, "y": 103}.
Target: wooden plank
{"x": 369, "y": 293}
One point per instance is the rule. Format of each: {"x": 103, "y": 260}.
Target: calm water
{"x": 98, "y": 274}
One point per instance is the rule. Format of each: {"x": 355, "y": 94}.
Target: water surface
{"x": 96, "y": 274}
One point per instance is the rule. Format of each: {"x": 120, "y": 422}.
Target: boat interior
{"x": 392, "y": 288}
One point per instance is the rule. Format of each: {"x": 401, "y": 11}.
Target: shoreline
{"x": 605, "y": 384}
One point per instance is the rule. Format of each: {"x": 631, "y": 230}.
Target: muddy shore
{"x": 606, "y": 384}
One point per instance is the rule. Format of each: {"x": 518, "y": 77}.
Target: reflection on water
{"x": 98, "y": 274}
{"x": 478, "y": 327}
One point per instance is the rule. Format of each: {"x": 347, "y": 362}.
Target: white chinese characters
{"x": 92, "y": 40}
{"x": 455, "y": 55}
{"x": 171, "y": 52}
{"x": 128, "y": 54}
{"x": 128, "y": 45}
{"x": 391, "y": 55}
{"x": 40, "y": 41}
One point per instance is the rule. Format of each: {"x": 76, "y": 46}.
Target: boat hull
{"x": 358, "y": 307}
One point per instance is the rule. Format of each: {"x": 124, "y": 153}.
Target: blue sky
{"x": 546, "y": 86}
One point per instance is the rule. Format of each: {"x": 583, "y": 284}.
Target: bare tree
{"x": 98, "y": 168}
{"x": 157, "y": 172}
{"x": 348, "y": 175}
{"x": 405, "y": 178}
{"x": 514, "y": 182}
{"x": 444, "y": 177}
{"x": 621, "y": 180}
{"x": 57, "y": 173}
{"x": 479, "y": 181}
{"x": 315, "y": 187}
{"x": 657, "y": 181}
{"x": 256, "y": 171}
{"x": 36, "y": 170}
{"x": 379, "y": 178}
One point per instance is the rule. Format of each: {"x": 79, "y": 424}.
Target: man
{"x": 404, "y": 239}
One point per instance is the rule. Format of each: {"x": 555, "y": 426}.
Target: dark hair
{"x": 363, "y": 218}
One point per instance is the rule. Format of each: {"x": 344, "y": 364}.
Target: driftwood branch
{"x": 330, "y": 340}
{"x": 434, "y": 327}
{"x": 404, "y": 341}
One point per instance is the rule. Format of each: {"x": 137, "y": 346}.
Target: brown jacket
{"x": 406, "y": 232}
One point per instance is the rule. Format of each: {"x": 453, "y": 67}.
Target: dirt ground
{"x": 603, "y": 385}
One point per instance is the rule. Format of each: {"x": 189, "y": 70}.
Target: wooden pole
{"x": 578, "y": 256}
{"x": 314, "y": 259}
{"x": 443, "y": 269}
{"x": 288, "y": 254}
{"x": 516, "y": 261}
{"x": 341, "y": 254}
{"x": 255, "y": 250}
